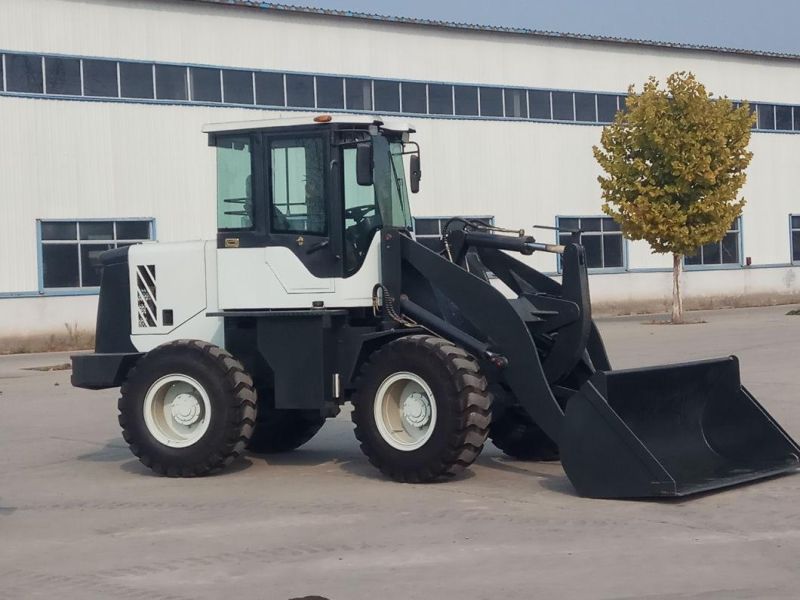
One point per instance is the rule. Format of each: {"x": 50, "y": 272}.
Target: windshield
{"x": 390, "y": 183}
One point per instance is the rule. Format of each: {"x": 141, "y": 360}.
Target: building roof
{"x": 285, "y": 8}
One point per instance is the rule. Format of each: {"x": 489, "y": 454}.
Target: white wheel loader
{"x": 316, "y": 293}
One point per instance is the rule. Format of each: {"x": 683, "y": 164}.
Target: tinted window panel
{"x": 796, "y": 111}
{"x": 591, "y": 224}
{"x": 766, "y": 116}
{"x": 60, "y": 265}
{"x": 606, "y": 108}
{"x": 491, "y": 102}
{"x": 584, "y": 107}
{"x": 97, "y": 230}
{"x": 90, "y": 263}
{"x": 330, "y": 92}
{"x": 359, "y": 94}
{"x": 796, "y": 246}
{"x": 610, "y": 225}
{"x": 100, "y": 78}
{"x": 300, "y": 90}
{"x": 730, "y": 248}
{"x": 440, "y": 99}
{"x": 612, "y": 251}
{"x": 711, "y": 254}
{"x": 623, "y": 103}
{"x": 133, "y": 230}
{"x": 205, "y": 85}
{"x": 516, "y": 103}
{"x": 569, "y": 223}
{"x": 414, "y": 98}
{"x": 795, "y": 222}
{"x": 562, "y": 106}
{"x": 59, "y": 231}
{"x": 238, "y": 86}
{"x": 783, "y": 118}
{"x": 269, "y": 89}
{"x": 136, "y": 80}
{"x": 539, "y": 104}
{"x": 24, "y": 73}
{"x": 692, "y": 260}
{"x": 171, "y": 82}
{"x": 387, "y": 96}
{"x": 593, "y": 244}
{"x": 63, "y": 76}
{"x": 1, "y": 72}
{"x": 466, "y": 100}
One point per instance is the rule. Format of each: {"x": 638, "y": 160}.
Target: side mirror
{"x": 364, "y": 163}
{"x": 415, "y": 173}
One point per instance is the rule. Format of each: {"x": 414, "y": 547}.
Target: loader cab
{"x": 311, "y": 194}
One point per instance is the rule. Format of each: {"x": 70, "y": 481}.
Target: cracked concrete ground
{"x": 80, "y": 518}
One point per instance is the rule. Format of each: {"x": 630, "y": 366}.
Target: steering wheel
{"x": 359, "y": 213}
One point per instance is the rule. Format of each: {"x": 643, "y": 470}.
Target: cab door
{"x": 277, "y": 205}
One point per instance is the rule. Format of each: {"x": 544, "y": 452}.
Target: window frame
{"x": 792, "y": 230}
{"x": 596, "y": 270}
{"x": 721, "y": 265}
{"x": 78, "y": 242}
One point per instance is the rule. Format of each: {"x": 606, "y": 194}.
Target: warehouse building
{"x": 102, "y": 104}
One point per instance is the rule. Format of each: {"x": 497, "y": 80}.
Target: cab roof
{"x": 324, "y": 119}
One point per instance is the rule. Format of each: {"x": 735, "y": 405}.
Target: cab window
{"x": 361, "y": 217}
{"x": 298, "y": 186}
{"x": 234, "y": 183}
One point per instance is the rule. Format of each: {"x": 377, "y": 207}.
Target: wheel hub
{"x": 416, "y": 410}
{"x": 185, "y": 409}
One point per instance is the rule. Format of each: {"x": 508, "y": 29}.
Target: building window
{"x": 606, "y": 107}
{"x": 428, "y": 230}
{"x": 136, "y": 80}
{"x": 585, "y": 109}
{"x": 540, "y": 104}
{"x": 269, "y": 89}
{"x": 24, "y": 73}
{"x": 300, "y": 91}
{"x": 99, "y": 78}
{"x": 63, "y": 76}
{"x": 237, "y": 86}
{"x": 601, "y": 238}
{"x": 795, "y": 238}
{"x": 330, "y": 92}
{"x": 70, "y": 250}
{"x": 440, "y": 99}
{"x": 466, "y": 98}
{"x": 358, "y": 94}
{"x": 516, "y": 103}
{"x": 387, "y": 96}
{"x": 766, "y": 116}
{"x": 171, "y": 83}
{"x": 206, "y": 86}
{"x": 491, "y": 102}
{"x": 414, "y": 98}
{"x": 783, "y": 118}
{"x": 724, "y": 252}
{"x": 563, "y": 106}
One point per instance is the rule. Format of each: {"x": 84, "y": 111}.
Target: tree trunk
{"x": 677, "y": 300}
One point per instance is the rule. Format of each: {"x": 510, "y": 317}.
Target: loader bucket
{"x": 670, "y": 431}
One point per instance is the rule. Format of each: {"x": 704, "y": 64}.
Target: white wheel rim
{"x": 405, "y": 411}
{"x": 177, "y": 410}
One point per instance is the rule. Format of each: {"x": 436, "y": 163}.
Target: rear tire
{"x": 516, "y": 434}
{"x": 421, "y": 409}
{"x": 283, "y": 430}
{"x": 187, "y": 408}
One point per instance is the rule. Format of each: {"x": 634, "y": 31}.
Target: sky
{"x": 766, "y": 25}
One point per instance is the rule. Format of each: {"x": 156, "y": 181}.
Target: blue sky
{"x": 769, "y": 25}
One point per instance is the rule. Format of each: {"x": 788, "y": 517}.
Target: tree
{"x": 675, "y": 161}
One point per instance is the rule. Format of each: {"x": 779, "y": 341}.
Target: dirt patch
{"x": 794, "y": 313}
{"x": 54, "y": 342}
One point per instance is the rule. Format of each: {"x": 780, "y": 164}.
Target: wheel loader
{"x": 316, "y": 293}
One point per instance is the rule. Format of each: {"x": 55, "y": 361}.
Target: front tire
{"x": 187, "y": 408}
{"x": 421, "y": 409}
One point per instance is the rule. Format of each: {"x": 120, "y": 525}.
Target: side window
{"x": 601, "y": 240}
{"x": 234, "y": 183}
{"x": 298, "y": 186}
{"x": 723, "y": 252}
{"x": 361, "y": 215}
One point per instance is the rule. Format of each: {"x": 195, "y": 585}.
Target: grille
{"x": 146, "y": 305}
